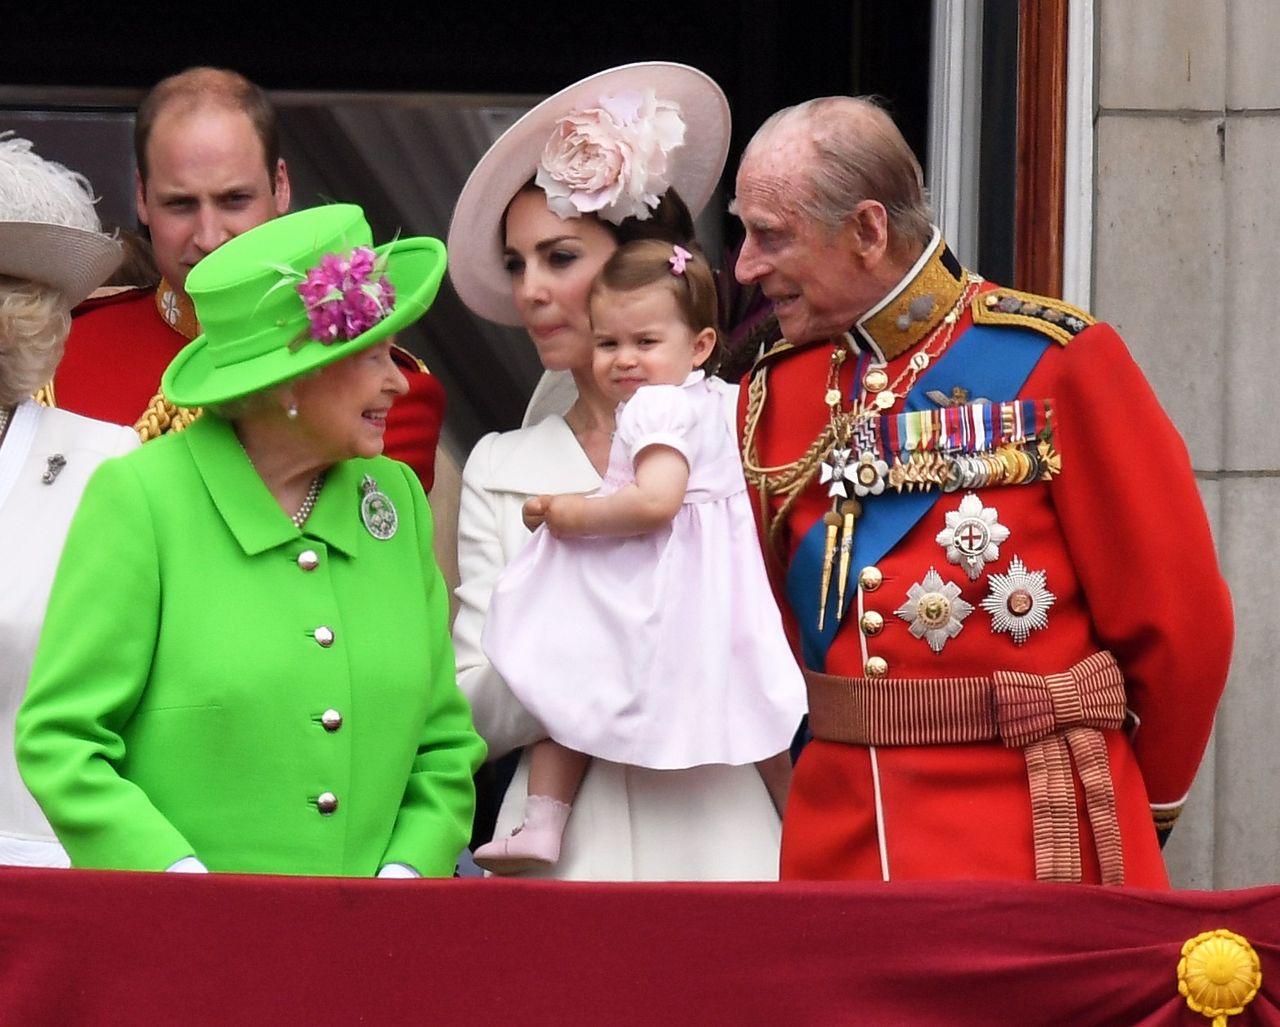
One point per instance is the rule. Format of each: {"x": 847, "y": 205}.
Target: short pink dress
{"x": 663, "y": 650}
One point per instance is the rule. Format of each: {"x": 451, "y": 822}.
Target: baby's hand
{"x": 564, "y": 515}
{"x": 535, "y": 511}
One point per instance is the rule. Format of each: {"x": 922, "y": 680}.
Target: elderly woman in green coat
{"x": 245, "y": 664}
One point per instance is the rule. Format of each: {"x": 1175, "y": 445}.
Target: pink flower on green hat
{"x": 611, "y": 159}
{"x": 346, "y": 295}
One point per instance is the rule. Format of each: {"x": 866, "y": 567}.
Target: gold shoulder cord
{"x": 162, "y": 416}
{"x": 789, "y": 480}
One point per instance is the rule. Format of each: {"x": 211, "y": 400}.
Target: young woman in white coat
{"x": 624, "y": 154}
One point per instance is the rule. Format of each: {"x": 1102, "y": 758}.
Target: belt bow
{"x": 1057, "y": 719}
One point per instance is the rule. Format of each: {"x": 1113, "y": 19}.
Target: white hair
{"x": 857, "y": 153}
{"x": 42, "y": 191}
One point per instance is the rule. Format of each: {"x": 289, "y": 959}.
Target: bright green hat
{"x": 258, "y": 331}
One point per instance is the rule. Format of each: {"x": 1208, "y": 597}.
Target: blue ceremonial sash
{"x": 991, "y": 362}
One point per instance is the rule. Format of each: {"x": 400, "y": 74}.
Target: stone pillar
{"x": 1185, "y": 240}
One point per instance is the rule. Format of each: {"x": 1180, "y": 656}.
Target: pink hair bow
{"x": 679, "y": 257}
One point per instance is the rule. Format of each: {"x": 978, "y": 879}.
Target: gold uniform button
{"x": 331, "y": 719}
{"x": 324, "y": 636}
{"x": 308, "y": 560}
{"x": 872, "y": 623}
{"x": 876, "y": 667}
{"x": 870, "y": 578}
{"x": 326, "y": 803}
{"x": 875, "y": 380}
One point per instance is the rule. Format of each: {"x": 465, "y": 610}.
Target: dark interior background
{"x": 391, "y": 106}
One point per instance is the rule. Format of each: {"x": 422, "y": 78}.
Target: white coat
{"x": 34, "y": 516}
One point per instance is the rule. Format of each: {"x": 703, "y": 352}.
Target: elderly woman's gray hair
{"x": 858, "y": 154}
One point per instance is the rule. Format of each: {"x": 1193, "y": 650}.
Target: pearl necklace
{"x": 308, "y": 504}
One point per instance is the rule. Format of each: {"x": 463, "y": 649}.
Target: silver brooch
{"x": 377, "y": 511}
{"x": 1018, "y": 601}
{"x": 972, "y": 536}
{"x": 53, "y": 467}
{"x": 934, "y": 610}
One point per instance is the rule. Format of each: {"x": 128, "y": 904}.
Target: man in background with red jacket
{"x": 209, "y": 168}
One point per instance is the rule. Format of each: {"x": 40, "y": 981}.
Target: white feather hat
{"x": 49, "y": 231}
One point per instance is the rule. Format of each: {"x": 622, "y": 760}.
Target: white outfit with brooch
{"x": 629, "y": 823}
{"x": 64, "y": 448}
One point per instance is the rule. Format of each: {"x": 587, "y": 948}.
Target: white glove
{"x": 398, "y": 871}
{"x": 188, "y": 865}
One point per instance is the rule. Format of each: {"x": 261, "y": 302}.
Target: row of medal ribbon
{"x": 974, "y": 445}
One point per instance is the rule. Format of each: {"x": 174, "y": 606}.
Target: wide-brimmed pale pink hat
{"x": 49, "y": 231}
{"x": 584, "y": 171}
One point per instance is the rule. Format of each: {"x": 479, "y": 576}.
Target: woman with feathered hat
{"x": 53, "y": 253}
{"x": 246, "y": 663}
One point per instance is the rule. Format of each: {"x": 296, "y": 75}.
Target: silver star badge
{"x": 834, "y": 469}
{"x": 972, "y": 536}
{"x": 1018, "y": 601}
{"x": 934, "y": 610}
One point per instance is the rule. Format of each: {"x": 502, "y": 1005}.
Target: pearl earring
{"x": 292, "y": 412}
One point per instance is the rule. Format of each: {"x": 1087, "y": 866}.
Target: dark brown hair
{"x": 646, "y": 262}
{"x": 670, "y": 220}
{"x": 198, "y": 88}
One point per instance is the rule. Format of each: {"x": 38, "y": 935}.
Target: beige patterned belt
{"x": 1055, "y": 719}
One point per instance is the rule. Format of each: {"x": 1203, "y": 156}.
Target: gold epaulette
{"x": 1052, "y": 317}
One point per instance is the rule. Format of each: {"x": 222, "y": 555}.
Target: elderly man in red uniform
{"x": 209, "y": 168}
{"x": 985, "y": 535}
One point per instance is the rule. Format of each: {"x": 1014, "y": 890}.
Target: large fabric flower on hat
{"x": 611, "y": 159}
{"x": 346, "y": 295}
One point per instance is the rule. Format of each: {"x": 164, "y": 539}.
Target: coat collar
{"x": 18, "y": 441}
{"x": 915, "y": 306}
{"x": 544, "y": 457}
{"x": 247, "y": 506}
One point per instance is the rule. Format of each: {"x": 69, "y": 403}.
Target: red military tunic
{"x": 1113, "y": 553}
{"x": 121, "y": 343}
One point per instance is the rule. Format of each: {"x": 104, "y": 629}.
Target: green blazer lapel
{"x": 240, "y": 496}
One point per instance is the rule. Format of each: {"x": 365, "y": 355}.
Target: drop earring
{"x": 291, "y": 412}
